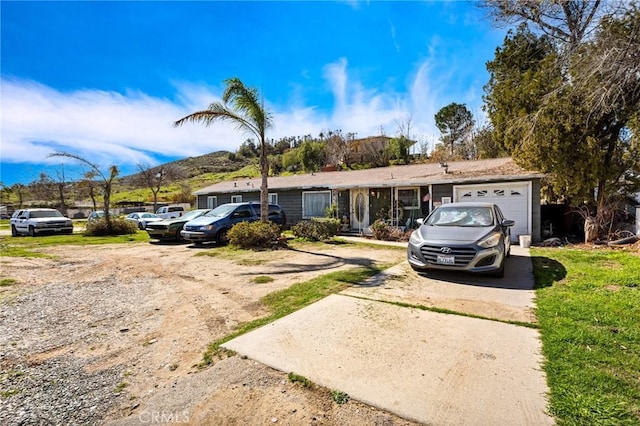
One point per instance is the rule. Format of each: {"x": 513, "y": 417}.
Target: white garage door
{"x": 513, "y": 200}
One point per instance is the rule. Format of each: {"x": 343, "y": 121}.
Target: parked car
{"x": 39, "y": 221}
{"x": 214, "y": 225}
{"x": 472, "y": 237}
{"x": 170, "y": 212}
{"x": 142, "y": 218}
{"x": 169, "y": 229}
{"x": 95, "y": 215}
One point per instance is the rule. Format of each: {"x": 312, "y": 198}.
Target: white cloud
{"x": 126, "y": 129}
{"x": 393, "y": 36}
{"x": 112, "y": 127}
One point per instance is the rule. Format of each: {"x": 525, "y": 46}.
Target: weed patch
{"x": 6, "y": 282}
{"x": 8, "y": 393}
{"x": 296, "y": 378}
{"x": 340, "y": 397}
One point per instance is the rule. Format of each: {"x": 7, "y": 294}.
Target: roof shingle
{"x": 495, "y": 169}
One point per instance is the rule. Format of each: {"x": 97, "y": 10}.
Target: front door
{"x": 359, "y": 209}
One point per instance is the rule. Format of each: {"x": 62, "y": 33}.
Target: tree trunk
{"x": 264, "y": 189}
{"x": 63, "y": 204}
{"x": 590, "y": 229}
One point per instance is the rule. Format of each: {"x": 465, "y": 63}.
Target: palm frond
{"x": 219, "y": 112}
{"x": 242, "y": 106}
{"x": 246, "y": 101}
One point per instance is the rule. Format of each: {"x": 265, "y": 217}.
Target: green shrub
{"x": 317, "y": 229}
{"x": 255, "y": 235}
{"x": 303, "y": 229}
{"x": 119, "y": 226}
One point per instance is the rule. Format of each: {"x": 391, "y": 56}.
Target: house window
{"x": 482, "y": 193}
{"x": 467, "y": 194}
{"x": 212, "y": 202}
{"x": 498, "y": 192}
{"x": 409, "y": 198}
{"x": 515, "y": 193}
{"x": 236, "y": 198}
{"x": 273, "y": 198}
{"x": 315, "y": 204}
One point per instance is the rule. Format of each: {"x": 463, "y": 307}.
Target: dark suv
{"x": 214, "y": 225}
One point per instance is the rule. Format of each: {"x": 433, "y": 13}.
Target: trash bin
{"x": 525, "y": 241}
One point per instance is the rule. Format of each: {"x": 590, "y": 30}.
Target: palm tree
{"x": 243, "y": 107}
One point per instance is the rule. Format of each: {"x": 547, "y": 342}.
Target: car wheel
{"x": 179, "y": 236}
{"x": 222, "y": 238}
{"x": 14, "y": 231}
{"x": 32, "y": 231}
{"x": 141, "y": 225}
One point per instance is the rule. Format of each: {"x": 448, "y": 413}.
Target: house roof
{"x": 495, "y": 169}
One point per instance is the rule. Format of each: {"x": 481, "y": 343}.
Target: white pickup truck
{"x": 39, "y": 221}
{"x": 170, "y": 212}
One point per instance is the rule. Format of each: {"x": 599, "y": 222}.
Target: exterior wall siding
{"x": 291, "y": 201}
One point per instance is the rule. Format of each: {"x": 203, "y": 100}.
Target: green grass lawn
{"x": 23, "y": 246}
{"x": 589, "y": 315}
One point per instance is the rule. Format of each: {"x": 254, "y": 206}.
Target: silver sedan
{"x": 472, "y": 237}
{"x": 141, "y": 219}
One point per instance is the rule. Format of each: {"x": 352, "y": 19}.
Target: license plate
{"x": 186, "y": 235}
{"x": 446, "y": 260}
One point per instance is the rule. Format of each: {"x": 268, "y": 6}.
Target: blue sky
{"x": 106, "y": 80}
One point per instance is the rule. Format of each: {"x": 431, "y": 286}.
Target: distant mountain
{"x": 215, "y": 162}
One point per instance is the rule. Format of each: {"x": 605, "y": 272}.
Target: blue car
{"x": 213, "y": 226}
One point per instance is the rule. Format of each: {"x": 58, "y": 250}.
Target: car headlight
{"x": 415, "y": 238}
{"x": 209, "y": 228}
{"x": 490, "y": 240}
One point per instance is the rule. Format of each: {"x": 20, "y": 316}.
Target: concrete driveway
{"x": 431, "y": 367}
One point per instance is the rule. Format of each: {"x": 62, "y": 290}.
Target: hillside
{"x": 215, "y": 162}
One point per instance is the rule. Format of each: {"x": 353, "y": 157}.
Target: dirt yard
{"x": 112, "y": 334}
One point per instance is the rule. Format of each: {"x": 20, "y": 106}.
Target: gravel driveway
{"x": 111, "y": 334}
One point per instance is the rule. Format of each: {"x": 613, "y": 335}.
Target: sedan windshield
{"x": 191, "y": 215}
{"x": 461, "y": 216}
